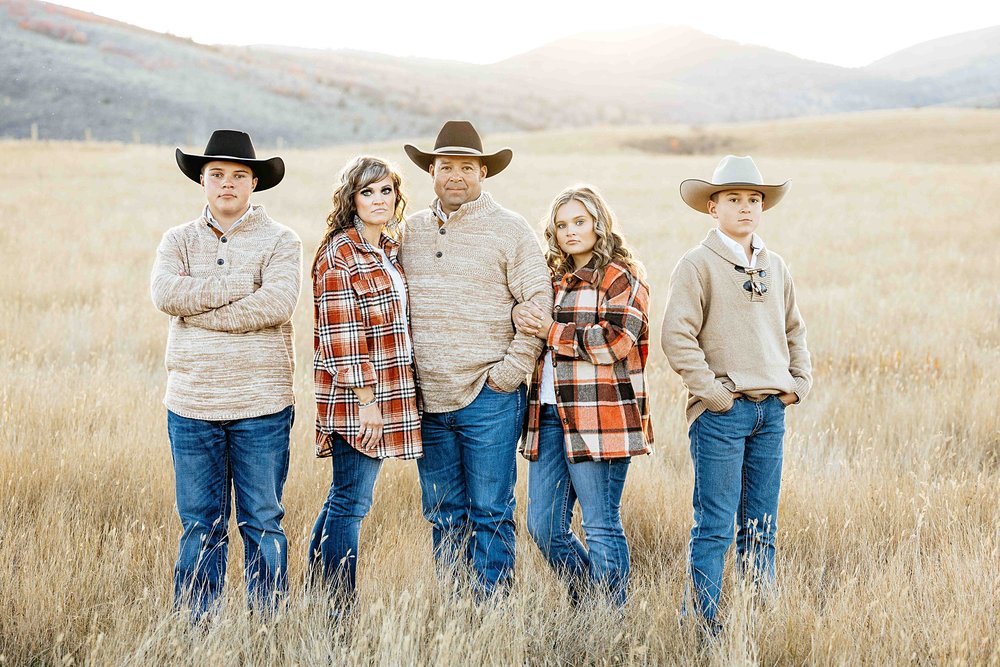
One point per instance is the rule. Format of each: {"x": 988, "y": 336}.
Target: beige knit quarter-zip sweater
{"x": 464, "y": 277}
{"x": 230, "y": 298}
{"x": 722, "y": 338}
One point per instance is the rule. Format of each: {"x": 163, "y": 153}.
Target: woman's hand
{"x": 523, "y": 320}
{"x": 531, "y": 320}
{"x": 371, "y": 426}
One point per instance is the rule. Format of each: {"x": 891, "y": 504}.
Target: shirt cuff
{"x": 719, "y": 400}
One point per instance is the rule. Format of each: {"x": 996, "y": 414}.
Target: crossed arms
{"x": 230, "y": 302}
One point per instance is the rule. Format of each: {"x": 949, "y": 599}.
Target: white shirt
{"x": 399, "y": 289}
{"x": 442, "y": 216}
{"x": 739, "y": 253}
{"x": 212, "y": 221}
{"x": 547, "y": 386}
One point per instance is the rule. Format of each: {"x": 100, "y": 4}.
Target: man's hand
{"x": 788, "y": 398}
{"x": 493, "y": 385}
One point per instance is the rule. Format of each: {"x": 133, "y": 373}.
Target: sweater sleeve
{"x": 340, "y": 329}
{"x": 183, "y": 295}
{"x": 622, "y": 318}
{"x": 272, "y": 304}
{"x": 682, "y": 322}
{"x": 799, "y": 361}
{"x": 528, "y": 280}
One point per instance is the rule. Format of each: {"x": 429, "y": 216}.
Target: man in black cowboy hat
{"x": 229, "y": 280}
{"x": 468, "y": 261}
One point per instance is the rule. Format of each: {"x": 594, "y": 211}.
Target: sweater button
{"x": 438, "y": 253}
{"x": 220, "y": 261}
{"x": 224, "y": 239}
{"x": 763, "y": 274}
{"x": 441, "y": 231}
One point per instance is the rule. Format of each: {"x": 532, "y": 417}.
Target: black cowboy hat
{"x": 233, "y": 146}
{"x": 459, "y": 137}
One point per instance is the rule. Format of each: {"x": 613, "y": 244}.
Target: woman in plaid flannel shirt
{"x": 366, "y": 397}
{"x": 587, "y": 407}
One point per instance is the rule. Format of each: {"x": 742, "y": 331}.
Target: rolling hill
{"x": 71, "y": 75}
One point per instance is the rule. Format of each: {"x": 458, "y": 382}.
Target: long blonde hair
{"x": 610, "y": 245}
{"x": 357, "y": 174}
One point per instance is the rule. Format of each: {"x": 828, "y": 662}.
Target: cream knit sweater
{"x": 464, "y": 278}
{"x": 721, "y": 340}
{"x": 229, "y": 346}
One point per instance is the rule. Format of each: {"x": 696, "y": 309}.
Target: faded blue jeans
{"x": 554, "y": 486}
{"x": 211, "y": 460}
{"x": 333, "y": 545}
{"x": 737, "y": 479}
{"x": 467, "y": 477}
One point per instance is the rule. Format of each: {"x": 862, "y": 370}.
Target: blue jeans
{"x": 737, "y": 477}
{"x": 211, "y": 459}
{"x": 467, "y": 477}
{"x": 554, "y": 485}
{"x": 333, "y": 545}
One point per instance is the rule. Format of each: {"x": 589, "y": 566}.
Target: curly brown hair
{"x": 610, "y": 245}
{"x": 357, "y": 174}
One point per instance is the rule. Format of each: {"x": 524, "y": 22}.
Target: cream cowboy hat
{"x": 459, "y": 137}
{"x": 733, "y": 173}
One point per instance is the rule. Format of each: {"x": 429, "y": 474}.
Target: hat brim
{"x": 495, "y": 162}
{"x": 696, "y": 193}
{"x": 268, "y": 172}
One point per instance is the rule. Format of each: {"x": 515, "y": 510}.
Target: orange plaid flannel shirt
{"x": 360, "y": 340}
{"x": 599, "y": 345}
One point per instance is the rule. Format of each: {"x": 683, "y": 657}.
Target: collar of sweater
{"x": 483, "y": 205}
{"x": 715, "y": 244}
{"x": 256, "y": 216}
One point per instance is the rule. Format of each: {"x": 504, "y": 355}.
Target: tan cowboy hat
{"x": 733, "y": 173}
{"x": 459, "y": 137}
{"x": 233, "y": 146}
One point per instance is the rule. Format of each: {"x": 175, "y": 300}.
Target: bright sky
{"x": 851, "y": 33}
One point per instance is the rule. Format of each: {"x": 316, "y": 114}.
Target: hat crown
{"x": 230, "y": 143}
{"x": 459, "y": 133}
{"x": 736, "y": 169}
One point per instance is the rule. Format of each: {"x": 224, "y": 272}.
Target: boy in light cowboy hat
{"x": 229, "y": 280}
{"x": 468, "y": 261}
{"x": 733, "y": 332}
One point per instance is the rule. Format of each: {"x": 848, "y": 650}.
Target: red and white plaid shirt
{"x": 361, "y": 339}
{"x": 599, "y": 345}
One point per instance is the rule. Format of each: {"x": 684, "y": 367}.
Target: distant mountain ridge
{"x": 70, "y": 73}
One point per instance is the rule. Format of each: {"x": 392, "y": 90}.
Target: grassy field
{"x": 889, "y": 550}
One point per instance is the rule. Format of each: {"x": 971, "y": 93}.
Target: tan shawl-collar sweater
{"x": 722, "y": 337}
{"x": 230, "y": 298}
{"x": 464, "y": 276}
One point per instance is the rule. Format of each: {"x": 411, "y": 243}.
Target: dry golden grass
{"x": 890, "y": 544}
{"x": 955, "y": 136}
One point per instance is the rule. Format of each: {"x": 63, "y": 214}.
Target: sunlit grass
{"x": 889, "y": 550}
